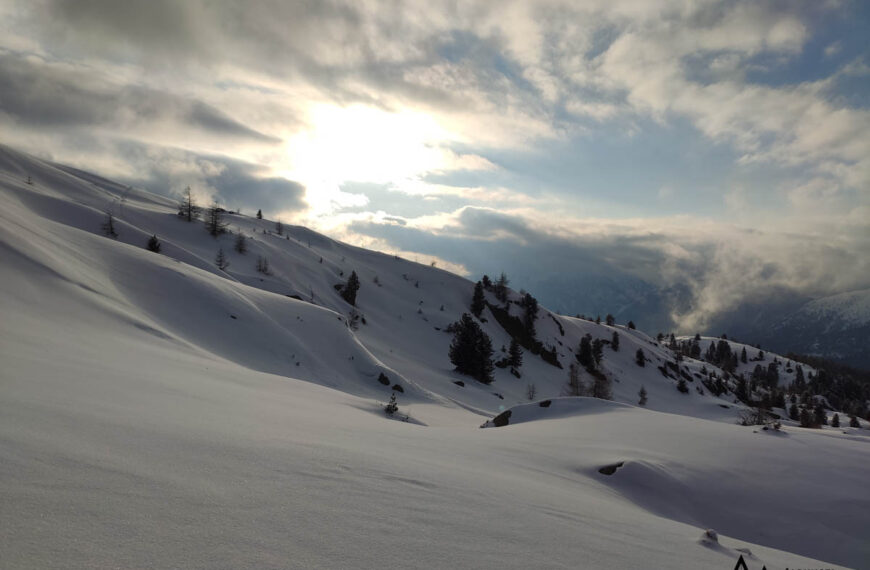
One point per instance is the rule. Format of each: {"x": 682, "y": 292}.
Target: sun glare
{"x": 363, "y": 144}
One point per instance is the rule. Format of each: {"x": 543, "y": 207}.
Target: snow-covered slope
{"x": 157, "y": 411}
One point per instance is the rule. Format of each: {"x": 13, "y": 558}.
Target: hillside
{"x": 160, "y": 411}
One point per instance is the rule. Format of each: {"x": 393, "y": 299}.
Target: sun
{"x": 365, "y": 144}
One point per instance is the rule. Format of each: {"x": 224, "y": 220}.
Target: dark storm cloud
{"x": 42, "y": 95}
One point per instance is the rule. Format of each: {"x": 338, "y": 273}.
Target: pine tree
{"x": 835, "y": 421}
{"x": 515, "y": 354}
{"x": 820, "y": 417}
{"x": 279, "y": 228}
{"x": 221, "y": 260}
{"x": 392, "y": 407}
{"x": 601, "y": 388}
{"x": 487, "y": 283}
{"x": 109, "y": 226}
{"x": 639, "y": 358}
{"x": 214, "y": 220}
{"x": 471, "y": 350}
{"x": 597, "y": 351}
{"x": 154, "y": 244}
{"x": 743, "y": 355}
{"x": 805, "y": 419}
{"x": 631, "y": 325}
{"x": 348, "y": 292}
{"x": 187, "y": 208}
{"x": 584, "y": 353}
{"x": 609, "y": 320}
{"x": 575, "y": 385}
{"x": 794, "y": 413}
{"x": 500, "y": 288}
{"x": 241, "y": 244}
{"x": 263, "y": 265}
{"x": 614, "y": 342}
{"x": 682, "y": 386}
{"x": 259, "y": 214}
{"x": 642, "y": 396}
{"x": 531, "y": 313}
{"x": 853, "y": 422}
{"x": 478, "y": 301}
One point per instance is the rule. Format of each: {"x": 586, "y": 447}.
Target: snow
{"x": 153, "y": 414}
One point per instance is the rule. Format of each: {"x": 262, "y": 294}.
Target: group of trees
{"x": 471, "y": 349}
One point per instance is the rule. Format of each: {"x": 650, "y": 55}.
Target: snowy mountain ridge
{"x": 160, "y": 411}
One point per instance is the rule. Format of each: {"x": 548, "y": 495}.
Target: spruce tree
{"x": 471, "y": 350}
{"x": 794, "y": 413}
{"x": 631, "y": 325}
{"x": 597, "y": 351}
{"x": 154, "y": 244}
{"x": 500, "y": 288}
{"x": 642, "y": 396}
{"x": 530, "y": 304}
{"x": 187, "y": 208}
{"x": 348, "y": 292}
{"x": 214, "y": 220}
{"x": 279, "y": 228}
{"x": 241, "y": 244}
{"x": 682, "y": 386}
{"x": 575, "y": 385}
{"x": 259, "y": 214}
{"x": 835, "y": 421}
{"x": 478, "y": 301}
{"x": 601, "y": 388}
{"x": 639, "y": 358}
{"x": 820, "y": 417}
{"x": 853, "y": 422}
{"x": 614, "y": 342}
{"x": 584, "y": 353}
{"x": 221, "y": 260}
{"x": 515, "y": 354}
{"x": 805, "y": 419}
{"x": 743, "y": 358}
{"x": 609, "y": 320}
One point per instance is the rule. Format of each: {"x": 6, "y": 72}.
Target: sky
{"x": 690, "y": 156}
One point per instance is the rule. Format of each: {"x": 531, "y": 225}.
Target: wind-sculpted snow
{"x": 156, "y": 411}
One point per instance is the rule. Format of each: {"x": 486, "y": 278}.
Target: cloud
{"x": 47, "y": 95}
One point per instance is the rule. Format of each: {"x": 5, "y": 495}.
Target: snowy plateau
{"x": 157, "y": 411}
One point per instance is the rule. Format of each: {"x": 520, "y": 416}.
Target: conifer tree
{"x": 221, "y": 260}
{"x": 187, "y": 208}
{"x": 241, "y": 244}
{"x": 597, "y": 351}
{"x": 279, "y": 228}
{"x": 530, "y": 304}
{"x": 575, "y": 384}
{"x": 500, "y": 288}
{"x": 259, "y": 214}
{"x": 642, "y": 396}
{"x": 154, "y": 244}
{"x": 793, "y": 413}
{"x": 471, "y": 350}
{"x": 614, "y": 342}
{"x": 682, "y": 386}
{"x": 478, "y": 301}
{"x": 584, "y": 352}
{"x": 109, "y": 226}
{"x": 631, "y": 325}
{"x": 743, "y": 355}
{"x": 835, "y": 421}
{"x": 805, "y": 419}
{"x": 392, "y": 406}
{"x": 639, "y": 357}
{"x": 515, "y": 354}
{"x": 609, "y": 320}
{"x": 601, "y": 388}
{"x": 348, "y": 292}
{"x": 820, "y": 417}
{"x": 214, "y": 220}
{"x": 853, "y": 422}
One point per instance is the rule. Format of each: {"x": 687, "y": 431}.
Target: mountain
{"x": 158, "y": 410}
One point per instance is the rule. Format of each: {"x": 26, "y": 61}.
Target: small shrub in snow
{"x": 382, "y": 378}
{"x": 154, "y": 244}
{"x": 531, "y": 391}
{"x": 392, "y": 406}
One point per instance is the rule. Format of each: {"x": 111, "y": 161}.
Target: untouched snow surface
{"x": 158, "y": 412}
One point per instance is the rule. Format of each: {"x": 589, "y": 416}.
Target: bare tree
{"x": 109, "y": 226}
{"x": 187, "y": 208}
{"x": 531, "y": 391}
{"x": 214, "y": 220}
{"x": 221, "y": 260}
{"x": 575, "y": 385}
